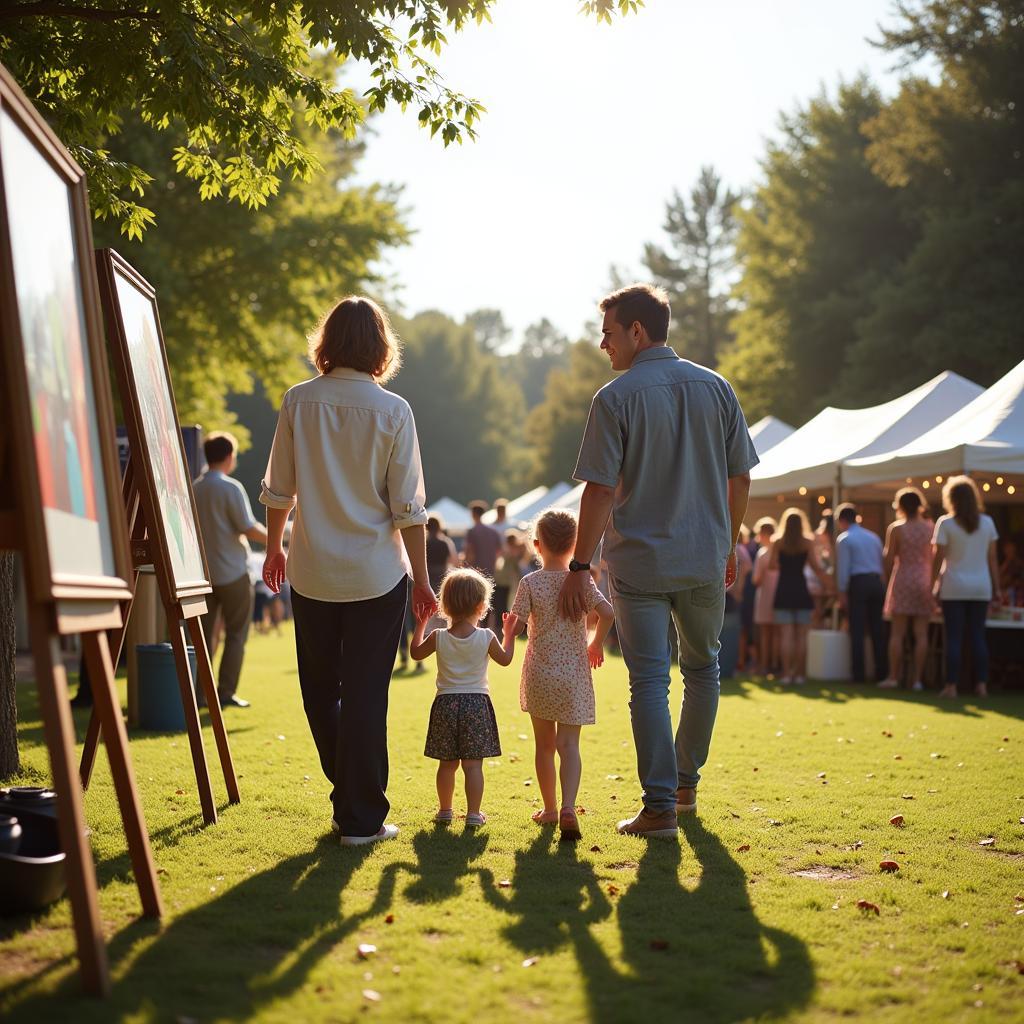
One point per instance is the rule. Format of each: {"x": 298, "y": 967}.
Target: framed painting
{"x": 140, "y": 360}
{"x": 60, "y": 430}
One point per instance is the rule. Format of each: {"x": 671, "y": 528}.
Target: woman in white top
{"x": 964, "y": 563}
{"x": 345, "y": 456}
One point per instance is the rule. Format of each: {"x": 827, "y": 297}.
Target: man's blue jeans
{"x": 642, "y": 623}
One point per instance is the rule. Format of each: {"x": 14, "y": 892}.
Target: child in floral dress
{"x": 556, "y": 688}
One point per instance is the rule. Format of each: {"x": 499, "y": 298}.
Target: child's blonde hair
{"x": 463, "y": 591}
{"x": 556, "y": 529}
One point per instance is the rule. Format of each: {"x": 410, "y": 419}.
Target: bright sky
{"x": 589, "y": 129}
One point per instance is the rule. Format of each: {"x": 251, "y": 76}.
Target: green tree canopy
{"x": 693, "y": 268}
{"x": 238, "y": 292}
{"x": 469, "y": 415}
{"x": 543, "y": 348}
{"x": 554, "y": 429}
{"x": 822, "y": 234}
{"x": 231, "y": 84}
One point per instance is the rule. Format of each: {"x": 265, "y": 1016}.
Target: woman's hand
{"x": 273, "y": 570}
{"x": 595, "y": 654}
{"x": 424, "y": 601}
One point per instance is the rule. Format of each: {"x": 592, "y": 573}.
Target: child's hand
{"x": 421, "y": 612}
{"x": 509, "y": 624}
{"x": 595, "y": 652}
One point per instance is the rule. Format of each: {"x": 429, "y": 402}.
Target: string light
{"x": 803, "y": 491}
{"x": 986, "y": 487}
{"x": 999, "y": 480}
{"x": 821, "y": 499}
{"x": 925, "y": 484}
{"x": 1011, "y": 489}
{"x": 938, "y": 479}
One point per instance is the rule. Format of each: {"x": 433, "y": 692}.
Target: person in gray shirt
{"x": 666, "y": 458}
{"x": 227, "y": 523}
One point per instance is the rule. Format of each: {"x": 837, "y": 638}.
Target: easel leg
{"x": 195, "y": 734}
{"x": 51, "y": 682}
{"x": 92, "y": 734}
{"x": 101, "y": 671}
{"x": 195, "y": 629}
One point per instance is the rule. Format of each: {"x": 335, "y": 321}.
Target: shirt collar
{"x": 347, "y": 373}
{"x": 654, "y": 352}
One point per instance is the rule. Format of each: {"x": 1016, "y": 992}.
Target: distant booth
{"x": 947, "y": 426}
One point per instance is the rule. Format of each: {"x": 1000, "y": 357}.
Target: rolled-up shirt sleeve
{"x": 601, "y": 453}
{"x": 277, "y": 489}
{"x": 407, "y": 493}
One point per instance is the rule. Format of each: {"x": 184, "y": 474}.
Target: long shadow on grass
{"x": 231, "y": 956}
{"x": 699, "y": 955}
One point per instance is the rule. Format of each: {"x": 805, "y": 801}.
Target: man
{"x": 225, "y": 517}
{"x": 861, "y": 591}
{"x": 483, "y": 542}
{"x": 666, "y": 454}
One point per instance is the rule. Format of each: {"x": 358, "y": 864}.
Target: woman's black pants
{"x": 346, "y": 653}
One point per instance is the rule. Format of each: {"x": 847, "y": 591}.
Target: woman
{"x": 824, "y": 539}
{"x": 793, "y": 549}
{"x": 765, "y": 580}
{"x": 964, "y": 564}
{"x": 345, "y": 455}
{"x": 908, "y": 600}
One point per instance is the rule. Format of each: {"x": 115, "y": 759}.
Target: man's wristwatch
{"x": 575, "y": 566}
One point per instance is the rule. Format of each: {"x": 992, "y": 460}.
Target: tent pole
{"x": 837, "y": 495}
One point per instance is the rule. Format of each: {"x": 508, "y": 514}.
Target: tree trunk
{"x": 9, "y": 761}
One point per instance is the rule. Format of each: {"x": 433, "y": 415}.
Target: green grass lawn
{"x": 752, "y": 915}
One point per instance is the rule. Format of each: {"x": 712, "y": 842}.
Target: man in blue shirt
{"x": 861, "y": 590}
{"x": 666, "y": 459}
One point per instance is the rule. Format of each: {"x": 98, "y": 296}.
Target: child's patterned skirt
{"x": 462, "y": 726}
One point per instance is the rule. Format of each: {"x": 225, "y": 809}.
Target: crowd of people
{"x": 791, "y": 580}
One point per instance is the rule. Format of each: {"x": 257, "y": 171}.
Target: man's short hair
{"x": 219, "y": 446}
{"x": 847, "y": 512}
{"x": 645, "y": 304}
{"x": 501, "y": 505}
{"x": 478, "y": 508}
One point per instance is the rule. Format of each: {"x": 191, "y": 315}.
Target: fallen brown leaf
{"x": 390, "y": 919}
{"x": 659, "y": 944}
{"x": 613, "y": 890}
{"x": 179, "y": 792}
{"x": 868, "y": 908}
{"x": 1019, "y": 898}
{"x": 888, "y": 865}
{"x": 897, "y": 820}
{"x": 743, "y": 848}
{"x": 908, "y": 796}
{"x": 595, "y": 849}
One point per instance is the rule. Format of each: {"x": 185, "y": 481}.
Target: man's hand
{"x": 730, "y": 570}
{"x": 273, "y": 571}
{"x": 424, "y": 601}
{"x": 595, "y": 654}
{"x": 572, "y": 602}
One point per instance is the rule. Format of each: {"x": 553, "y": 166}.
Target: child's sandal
{"x": 569, "y": 826}
{"x": 444, "y": 817}
{"x": 475, "y": 819}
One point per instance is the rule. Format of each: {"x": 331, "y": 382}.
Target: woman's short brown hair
{"x": 463, "y": 591}
{"x": 556, "y": 528}
{"x": 356, "y": 334}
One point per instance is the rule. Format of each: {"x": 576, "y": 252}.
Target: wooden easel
{"x": 77, "y": 595}
{"x": 149, "y": 545}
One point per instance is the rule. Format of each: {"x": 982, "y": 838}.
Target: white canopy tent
{"x": 769, "y": 431}
{"x": 985, "y": 436}
{"x": 550, "y": 497}
{"x": 813, "y": 456}
{"x": 456, "y": 518}
{"x": 514, "y": 507}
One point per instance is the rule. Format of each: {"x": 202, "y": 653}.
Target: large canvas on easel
{"x": 133, "y": 317}
{"x": 47, "y": 277}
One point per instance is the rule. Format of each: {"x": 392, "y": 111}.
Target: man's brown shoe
{"x": 686, "y": 800}
{"x": 650, "y": 825}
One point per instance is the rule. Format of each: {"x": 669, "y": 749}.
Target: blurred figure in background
{"x": 1011, "y": 569}
{"x": 748, "y": 636}
{"x": 506, "y": 573}
{"x": 965, "y": 567}
{"x": 908, "y": 600}
{"x": 859, "y": 566}
{"x": 824, "y": 538}
{"x": 792, "y": 550}
{"x": 441, "y": 553}
{"x": 765, "y": 580}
